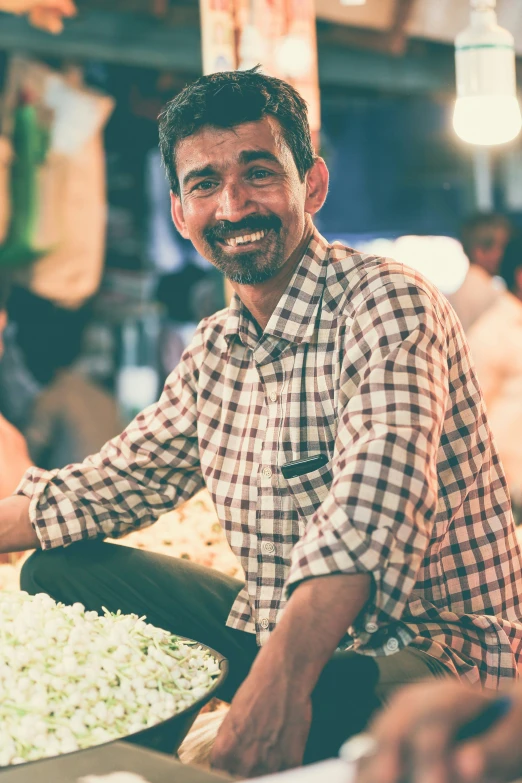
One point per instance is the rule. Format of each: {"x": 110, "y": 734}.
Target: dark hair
{"x": 480, "y": 220}
{"x": 5, "y": 288}
{"x": 511, "y": 263}
{"x": 230, "y": 98}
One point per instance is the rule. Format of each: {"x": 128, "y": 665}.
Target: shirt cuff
{"x": 333, "y": 546}
{"x": 55, "y": 522}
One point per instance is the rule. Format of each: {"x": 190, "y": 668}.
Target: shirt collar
{"x": 294, "y": 317}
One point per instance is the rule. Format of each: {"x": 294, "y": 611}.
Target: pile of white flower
{"x": 70, "y": 679}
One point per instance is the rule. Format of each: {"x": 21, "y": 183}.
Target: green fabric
{"x": 194, "y": 601}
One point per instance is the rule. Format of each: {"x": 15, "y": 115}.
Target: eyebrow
{"x": 247, "y": 156}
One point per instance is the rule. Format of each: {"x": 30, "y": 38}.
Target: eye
{"x": 260, "y": 174}
{"x": 205, "y": 184}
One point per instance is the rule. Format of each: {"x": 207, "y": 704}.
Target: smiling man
{"x": 334, "y": 416}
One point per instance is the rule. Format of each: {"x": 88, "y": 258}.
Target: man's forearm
{"x": 16, "y": 530}
{"x": 318, "y": 614}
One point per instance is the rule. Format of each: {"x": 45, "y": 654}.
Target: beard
{"x": 251, "y": 266}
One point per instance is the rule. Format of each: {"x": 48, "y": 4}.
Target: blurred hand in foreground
{"x": 46, "y": 14}
{"x": 415, "y": 738}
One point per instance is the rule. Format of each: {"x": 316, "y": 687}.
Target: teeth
{"x": 233, "y": 241}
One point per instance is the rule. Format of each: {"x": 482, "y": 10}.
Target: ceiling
{"x": 432, "y": 19}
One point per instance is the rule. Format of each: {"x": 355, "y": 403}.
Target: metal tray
{"x": 168, "y": 735}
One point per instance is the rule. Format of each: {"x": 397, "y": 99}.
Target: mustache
{"x": 249, "y": 225}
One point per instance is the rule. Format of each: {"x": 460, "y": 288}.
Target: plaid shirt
{"x": 362, "y": 361}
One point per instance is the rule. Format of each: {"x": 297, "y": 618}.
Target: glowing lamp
{"x": 487, "y": 111}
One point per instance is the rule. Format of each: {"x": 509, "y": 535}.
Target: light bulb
{"x": 294, "y": 57}
{"x": 487, "y": 111}
{"x": 353, "y": 2}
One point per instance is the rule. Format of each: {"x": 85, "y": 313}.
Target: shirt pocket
{"x": 308, "y": 491}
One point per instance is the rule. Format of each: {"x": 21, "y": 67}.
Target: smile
{"x": 245, "y": 239}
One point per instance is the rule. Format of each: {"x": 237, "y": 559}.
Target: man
{"x": 333, "y": 415}
{"x": 484, "y": 238}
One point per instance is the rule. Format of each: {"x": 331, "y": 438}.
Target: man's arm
{"x": 265, "y": 734}
{"x": 152, "y": 467}
{"x": 16, "y": 531}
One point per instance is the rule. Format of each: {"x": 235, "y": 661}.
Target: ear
{"x": 316, "y": 186}
{"x": 176, "y": 210}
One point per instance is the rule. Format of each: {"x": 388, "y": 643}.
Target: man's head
{"x": 484, "y": 238}
{"x": 244, "y": 178}
{"x": 4, "y": 295}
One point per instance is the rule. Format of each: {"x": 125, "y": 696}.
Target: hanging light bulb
{"x": 353, "y": 2}
{"x": 487, "y": 111}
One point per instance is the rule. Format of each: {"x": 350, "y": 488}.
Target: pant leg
{"x": 353, "y": 687}
{"x": 175, "y": 594}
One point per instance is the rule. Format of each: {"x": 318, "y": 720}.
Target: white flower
{"x": 70, "y": 679}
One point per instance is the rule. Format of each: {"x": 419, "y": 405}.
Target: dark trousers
{"x": 193, "y": 601}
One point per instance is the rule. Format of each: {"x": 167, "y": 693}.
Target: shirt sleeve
{"x": 378, "y": 516}
{"x": 150, "y": 468}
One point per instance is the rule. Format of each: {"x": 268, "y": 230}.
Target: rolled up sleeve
{"x": 378, "y": 516}
{"x": 150, "y": 468}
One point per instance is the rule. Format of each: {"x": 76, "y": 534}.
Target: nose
{"x": 234, "y": 202}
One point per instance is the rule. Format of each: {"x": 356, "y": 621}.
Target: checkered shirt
{"x": 362, "y": 361}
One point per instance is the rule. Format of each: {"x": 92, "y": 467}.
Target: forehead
{"x": 220, "y": 148}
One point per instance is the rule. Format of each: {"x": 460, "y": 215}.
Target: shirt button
{"x": 268, "y": 547}
{"x": 273, "y": 396}
{"x": 392, "y": 645}
{"x": 371, "y": 628}
{"x": 267, "y": 473}
{"x": 264, "y": 623}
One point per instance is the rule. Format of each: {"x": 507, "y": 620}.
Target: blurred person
{"x": 421, "y": 737}
{"x": 333, "y": 414}
{"x": 73, "y": 416}
{"x": 494, "y": 331}
{"x": 14, "y": 454}
{"x": 484, "y": 238}
{"x": 511, "y": 267}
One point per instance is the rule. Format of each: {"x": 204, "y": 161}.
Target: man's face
{"x": 241, "y": 203}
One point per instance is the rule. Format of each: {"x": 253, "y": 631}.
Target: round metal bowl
{"x": 167, "y": 735}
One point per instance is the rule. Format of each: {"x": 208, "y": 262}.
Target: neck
{"x": 262, "y": 299}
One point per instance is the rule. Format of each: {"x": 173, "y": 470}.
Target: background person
{"x": 14, "y": 455}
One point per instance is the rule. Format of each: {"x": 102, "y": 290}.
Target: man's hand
{"x": 269, "y": 721}
{"x": 266, "y": 728}
{"x": 416, "y": 734}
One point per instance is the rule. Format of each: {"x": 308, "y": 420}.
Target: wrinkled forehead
{"x": 220, "y": 148}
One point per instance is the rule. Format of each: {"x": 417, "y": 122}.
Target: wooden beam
{"x": 392, "y": 41}
{"x": 141, "y": 40}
